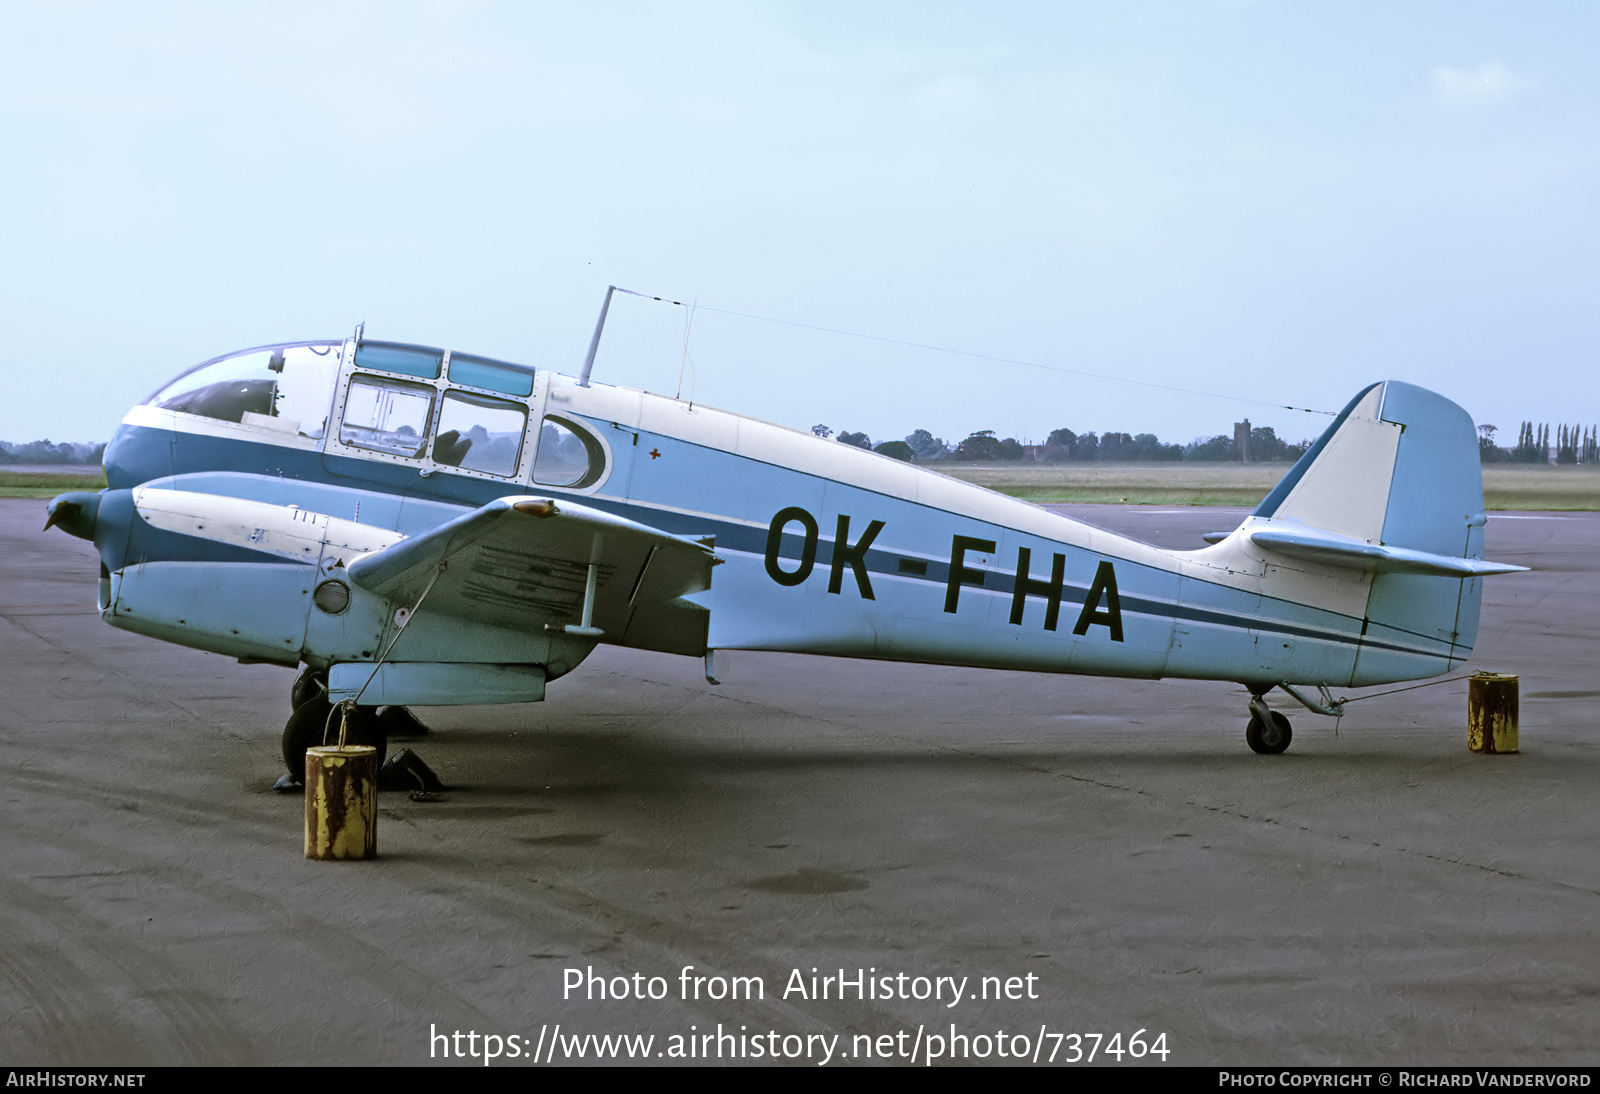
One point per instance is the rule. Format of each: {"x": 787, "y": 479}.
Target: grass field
{"x": 1519, "y": 487}
{"x": 47, "y": 484}
{"x": 1576, "y": 488}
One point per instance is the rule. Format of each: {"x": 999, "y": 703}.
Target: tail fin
{"x": 1393, "y": 487}
{"x": 1398, "y": 466}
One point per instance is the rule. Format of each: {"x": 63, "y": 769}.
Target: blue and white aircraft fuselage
{"x": 419, "y": 526}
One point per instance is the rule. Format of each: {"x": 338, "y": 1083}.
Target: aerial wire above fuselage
{"x": 594, "y": 343}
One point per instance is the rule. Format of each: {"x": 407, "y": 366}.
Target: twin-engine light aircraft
{"x": 419, "y": 526}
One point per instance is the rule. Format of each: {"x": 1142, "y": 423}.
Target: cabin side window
{"x": 480, "y": 433}
{"x": 423, "y": 362}
{"x": 383, "y": 415}
{"x": 492, "y": 375}
{"x": 568, "y": 455}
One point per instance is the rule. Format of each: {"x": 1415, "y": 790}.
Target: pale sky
{"x": 1279, "y": 201}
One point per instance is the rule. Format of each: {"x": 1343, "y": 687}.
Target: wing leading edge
{"x": 524, "y": 562}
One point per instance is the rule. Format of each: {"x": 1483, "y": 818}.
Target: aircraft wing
{"x": 522, "y": 562}
{"x": 1336, "y": 550}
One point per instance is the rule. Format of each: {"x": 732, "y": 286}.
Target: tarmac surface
{"x": 1377, "y": 895}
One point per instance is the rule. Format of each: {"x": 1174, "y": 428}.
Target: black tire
{"x": 1268, "y": 740}
{"x": 309, "y": 685}
{"x": 308, "y": 723}
{"x": 304, "y": 729}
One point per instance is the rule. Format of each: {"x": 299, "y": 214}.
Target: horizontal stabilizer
{"x": 1332, "y": 549}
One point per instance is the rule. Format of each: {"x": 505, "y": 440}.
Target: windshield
{"x": 286, "y": 388}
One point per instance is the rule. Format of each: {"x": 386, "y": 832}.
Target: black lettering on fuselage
{"x": 855, "y": 556}
{"x": 808, "y": 548}
{"x": 959, "y": 574}
{"x": 1023, "y": 587}
{"x": 1103, "y": 587}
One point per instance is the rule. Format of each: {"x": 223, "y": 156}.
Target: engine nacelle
{"x": 266, "y": 582}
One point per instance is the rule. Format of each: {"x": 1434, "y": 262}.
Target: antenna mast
{"x": 594, "y": 343}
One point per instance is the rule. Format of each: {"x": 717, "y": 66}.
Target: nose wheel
{"x": 1268, "y": 732}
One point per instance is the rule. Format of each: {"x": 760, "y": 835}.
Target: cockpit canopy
{"x": 286, "y": 387}
{"x": 402, "y": 401}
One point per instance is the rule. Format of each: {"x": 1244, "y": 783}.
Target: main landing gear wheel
{"x": 1268, "y": 737}
{"x": 310, "y": 722}
{"x": 309, "y": 685}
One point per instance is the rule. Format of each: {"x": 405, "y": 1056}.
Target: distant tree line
{"x": 1063, "y": 446}
{"x": 1575, "y": 444}
{"x": 1533, "y": 444}
{"x": 1590, "y": 452}
{"x": 41, "y": 452}
{"x": 1066, "y": 446}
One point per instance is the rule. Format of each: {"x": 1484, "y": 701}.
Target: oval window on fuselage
{"x": 568, "y": 455}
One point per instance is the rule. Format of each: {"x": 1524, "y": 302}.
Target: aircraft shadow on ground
{"x": 583, "y": 765}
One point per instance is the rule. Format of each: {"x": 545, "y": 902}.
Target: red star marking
{"x": 655, "y": 454}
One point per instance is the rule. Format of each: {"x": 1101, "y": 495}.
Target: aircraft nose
{"x": 74, "y": 513}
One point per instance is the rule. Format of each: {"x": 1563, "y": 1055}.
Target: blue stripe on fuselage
{"x": 139, "y": 453}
